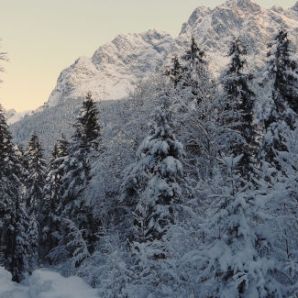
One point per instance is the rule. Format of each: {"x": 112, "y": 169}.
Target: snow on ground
{"x": 45, "y": 284}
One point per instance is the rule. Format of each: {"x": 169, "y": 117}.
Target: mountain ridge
{"x": 115, "y": 68}
{"x": 109, "y": 74}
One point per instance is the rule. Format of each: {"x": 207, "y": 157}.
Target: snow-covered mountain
{"x": 115, "y": 68}
{"x": 215, "y": 28}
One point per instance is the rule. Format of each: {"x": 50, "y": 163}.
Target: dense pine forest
{"x": 207, "y": 208}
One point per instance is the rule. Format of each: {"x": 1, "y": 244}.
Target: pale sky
{"x": 42, "y": 37}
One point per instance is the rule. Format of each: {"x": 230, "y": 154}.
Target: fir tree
{"x": 282, "y": 70}
{"x": 238, "y": 116}
{"x": 175, "y": 72}
{"x": 36, "y": 176}
{"x": 53, "y": 196}
{"x": 18, "y": 263}
{"x": 24, "y": 246}
{"x": 6, "y": 167}
{"x": 154, "y": 181}
{"x": 87, "y": 126}
{"x": 195, "y": 75}
{"x": 234, "y": 258}
{"x": 18, "y": 233}
{"x": 75, "y": 242}
{"x": 281, "y": 80}
{"x": 10, "y": 183}
{"x": 74, "y": 206}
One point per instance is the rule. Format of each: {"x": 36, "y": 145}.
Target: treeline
{"x": 44, "y": 218}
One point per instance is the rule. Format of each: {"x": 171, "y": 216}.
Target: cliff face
{"x": 116, "y": 67}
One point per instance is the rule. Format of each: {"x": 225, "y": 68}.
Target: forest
{"x": 206, "y": 207}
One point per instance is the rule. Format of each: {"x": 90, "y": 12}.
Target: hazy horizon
{"x": 41, "y": 39}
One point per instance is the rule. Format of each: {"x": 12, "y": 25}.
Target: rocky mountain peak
{"x": 246, "y": 5}
{"x": 116, "y": 67}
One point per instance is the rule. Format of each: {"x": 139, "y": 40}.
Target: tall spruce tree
{"x": 18, "y": 233}
{"x": 240, "y": 132}
{"x": 281, "y": 80}
{"x": 24, "y": 243}
{"x": 175, "y": 71}
{"x": 17, "y": 236}
{"x": 36, "y": 176}
{"x": 9, "y": 189}
{"x": 87, "y": 125}
{"x": 235, "y": 253}
{"x": 195, "y": 76}
{"x": 154, "y": 182}
{"x": 282, "y": 70}
{"x": 74, "y": 205}
{"x": 190, "y": 75}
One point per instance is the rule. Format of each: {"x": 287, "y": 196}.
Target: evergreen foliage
{"x": 281, "y": 79}
{"x": 18, "y": 231}
{"x": 155, "y": 179}
{"x": 74, "y": 207}
{"x": 53, "y": 196}
{"x": 36, "y": 176}
{"x": 238, "y": 115}
{"x": 196, "y": 76}
{"x": 175, "y": 72}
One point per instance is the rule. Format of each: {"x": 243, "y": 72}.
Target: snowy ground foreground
{"x": 45, "y": 284}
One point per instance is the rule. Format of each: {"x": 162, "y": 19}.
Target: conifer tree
{"x": 87, "y": 126}
{"x": 175, "y": 71}
{"x": 154, "y": 181}
{"x": 195, "y": 75}
{"x": 23, "y": 256}
{"x": 22, "y": 159}
{"x": 10, "y": 183}
{"x": 282, "y": 70}
{"x": 53, "y": 196}
{"x": 282, "y": 82}
{"x": 74, "y": 205}
{"x": 6, "y": 167}
{"x": 18, "y": 233}
{"x": 234, "y": 260}
{"x": 36, "y": 175}
{"x": 238, "y": 115}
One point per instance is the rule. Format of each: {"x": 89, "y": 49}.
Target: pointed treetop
{"x": 237, "y": 53}
{"x": 34, "y": 146}
{"x": 194, "y": 53}
{"x": 87, "y": 124}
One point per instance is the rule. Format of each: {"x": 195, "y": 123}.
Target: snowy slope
{"x": 115, "y": 68}
{"x": 45, "y": 284}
